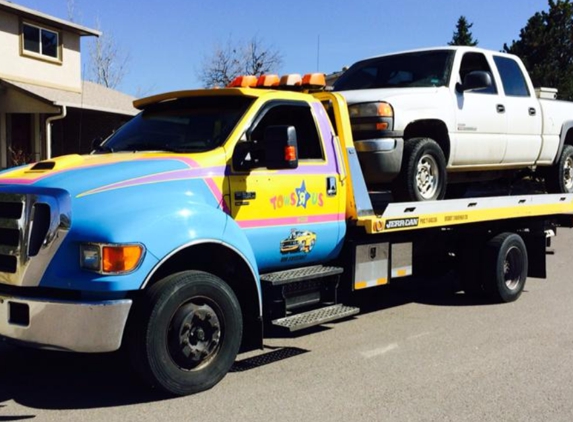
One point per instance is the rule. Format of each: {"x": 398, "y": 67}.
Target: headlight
{"x": 111, "y": 259}
{"x": 369, "y": 119}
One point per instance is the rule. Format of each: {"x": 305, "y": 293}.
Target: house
{"x": 46, "y": 109}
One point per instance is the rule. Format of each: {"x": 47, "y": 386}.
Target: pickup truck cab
{"x": 422, "y": 119}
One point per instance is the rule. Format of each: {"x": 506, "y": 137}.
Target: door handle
{"x": 245, "y": 196}
{"x": 500, "y": 108}
{"x": 330, "y": 186}
{"x": 532, "y": 111}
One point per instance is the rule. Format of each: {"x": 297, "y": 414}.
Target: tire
{"x": 186, "y": 333}
{"x": 423, "y": 176}
{"x": 505, "y": 267}
{"x": 559, "y": 177}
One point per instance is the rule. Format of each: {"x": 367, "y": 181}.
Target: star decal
{"x": 302, "y": 195}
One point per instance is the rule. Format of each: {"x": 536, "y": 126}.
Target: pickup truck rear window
{"x": 193, "y": 124}
{"x": 420, "y": 69}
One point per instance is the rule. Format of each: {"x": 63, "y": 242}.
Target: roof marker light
{"x": 243, "y": 81}
{"x": 268, "y": 81}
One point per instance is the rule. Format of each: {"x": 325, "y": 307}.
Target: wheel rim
{"x": 568, "y": 173}
{"x": 427, "y": 176}
{"x": 512, "y": 268}
{"x": 195, "y": 334}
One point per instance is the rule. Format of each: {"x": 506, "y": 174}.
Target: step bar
{"x": 315, "y": 317}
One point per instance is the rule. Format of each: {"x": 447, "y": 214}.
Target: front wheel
{"x": 423, "y": 176}
{"x": 187, "y": 332}
{"x": 559, "y": 177}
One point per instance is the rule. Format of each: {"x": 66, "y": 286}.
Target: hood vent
{"x": 43, "y": 165}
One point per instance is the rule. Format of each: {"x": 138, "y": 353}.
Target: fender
{"x": 233, "y": 238}
{"x": 568, "y": 125}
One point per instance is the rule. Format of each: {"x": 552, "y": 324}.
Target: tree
{"x": 545, "y": 46}
{"x": 236, "y": 58}
{"x": 463, "y": 35}
{"x": 108, "y": 62}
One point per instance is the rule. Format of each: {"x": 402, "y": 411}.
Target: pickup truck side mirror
{"x": 478, "y": 79}
{"x": 281, "y": 150}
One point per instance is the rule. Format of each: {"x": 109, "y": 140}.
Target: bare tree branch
{"x": 108, "y": 62}
{"x": 73, "y": 14}
{"x": 236, "y": 58}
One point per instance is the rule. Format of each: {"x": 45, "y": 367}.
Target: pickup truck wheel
{"x": 423, "y": 176}
{"x": 505, "y": 267}
{"x": 559, "y": 178}
{"x": 187, "y": 333}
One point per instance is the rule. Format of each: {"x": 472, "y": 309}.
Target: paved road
{"x": 423, "y": 353}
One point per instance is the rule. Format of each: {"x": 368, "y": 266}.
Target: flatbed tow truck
{"x": 217, "y": 215}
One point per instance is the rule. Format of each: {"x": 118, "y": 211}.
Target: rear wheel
{"x": 187, "y": 332}
{"x": 505, "y": 267}
{"x": 423, "y": 176}
{"x": 559, "y": 177}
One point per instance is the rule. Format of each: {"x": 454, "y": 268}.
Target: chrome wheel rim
{"x": 512, "y": 268}
{"x": 568, "y": 173}
{"x": 427, "y": 176}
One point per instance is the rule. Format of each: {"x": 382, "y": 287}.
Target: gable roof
{"x": 93, "y": 97}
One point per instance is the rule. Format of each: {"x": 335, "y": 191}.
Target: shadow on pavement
{"x": 58, "y": 380}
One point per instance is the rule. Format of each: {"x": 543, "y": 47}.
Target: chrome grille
{"x": 11, "y": 227}
{"x": 32, "y": 226}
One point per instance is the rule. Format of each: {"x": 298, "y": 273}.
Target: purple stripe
{"x": 327, "y": 136}
{"x": 165, "y": 177}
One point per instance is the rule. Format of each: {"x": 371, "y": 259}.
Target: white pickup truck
{"x": 427, "y": 118}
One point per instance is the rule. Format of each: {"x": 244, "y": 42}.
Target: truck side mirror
{"x": 281, "y": 150}
{"x": 478, "y": 79}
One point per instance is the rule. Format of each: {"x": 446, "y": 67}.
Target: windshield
{"x": 420, "y": 69}
{"x": 192, "y": 124}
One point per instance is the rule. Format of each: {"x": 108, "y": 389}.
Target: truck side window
{"x": 476, "y": 61}
{"x": 512, "y": 78}
{"x": 299, "y": 116}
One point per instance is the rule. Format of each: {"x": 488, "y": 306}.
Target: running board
{"x": 315, "y": 317}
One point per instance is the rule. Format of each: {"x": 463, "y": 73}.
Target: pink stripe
{"x": 217, "y": 194}
{"x": 290, "y": 221}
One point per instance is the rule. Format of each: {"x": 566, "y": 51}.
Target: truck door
{"x": 523, "y": 114}
{"x": 481, "y": 122}
{"x": 292, "y": 216}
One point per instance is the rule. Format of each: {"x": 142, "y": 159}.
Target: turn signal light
{"x": 290, "y": 153}
{"x": 121, "y": 259}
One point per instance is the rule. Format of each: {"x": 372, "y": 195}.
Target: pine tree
{"x": 545, "y": 46}
{"x": 463, "y": 35}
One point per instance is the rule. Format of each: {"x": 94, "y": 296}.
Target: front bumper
{"x": 380, "y": 159}
{"x": 64, "y": 325}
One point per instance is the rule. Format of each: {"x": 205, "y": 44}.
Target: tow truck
{"x": 170, "y": 238}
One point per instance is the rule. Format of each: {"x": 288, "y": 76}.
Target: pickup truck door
{"x": 523, "y": 114}
{"x": 290, "y": 216}
{"x": 481, "y": 121}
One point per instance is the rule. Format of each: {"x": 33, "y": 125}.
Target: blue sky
{"x": 167, "y": 40}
